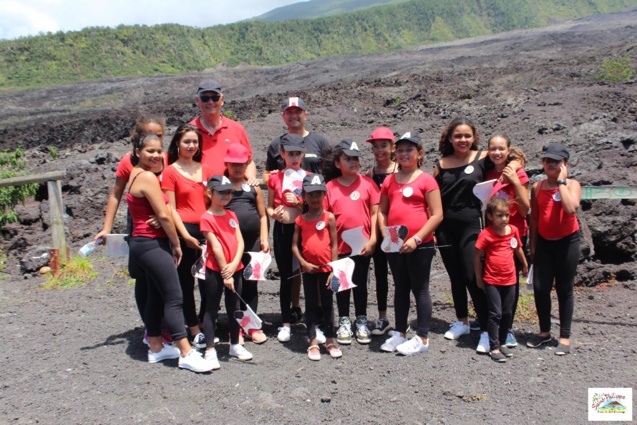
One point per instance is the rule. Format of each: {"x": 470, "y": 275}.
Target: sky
{"x": 31, "y": 17}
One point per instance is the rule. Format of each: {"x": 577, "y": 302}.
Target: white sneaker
{"x": 320, "y": 336}
{"x": 483, "y": 345}
{"x": 413, "y": 346}
{"x": 239, "y": 351}
{"x": 390, "y": 345}
{"x": 456, "y": 330}
{"x": 211, "y": 357}
{"x": 193, "y": 361}
{"x": 284, "y": 334}
{"x": 167, "y": 352}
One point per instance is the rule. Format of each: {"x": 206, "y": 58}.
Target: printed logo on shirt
{"x": 557, "y": 197}
{"x": 320, "y": 225}
{"x": 310, "y": 155}
{"x": 469, "y": 169}
{"x": 233, "y": 223}
{"x": 407, "y": 192}
{"x": 355, "y": 196}
{"x": 514, "y": 243}
{"x": 245, "y": 187}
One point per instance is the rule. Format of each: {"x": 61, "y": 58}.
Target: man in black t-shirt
{"x": 294, "y": 115}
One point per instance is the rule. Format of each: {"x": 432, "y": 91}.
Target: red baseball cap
{"x": 237, "y": 153}
{"x": 382, "y": 133}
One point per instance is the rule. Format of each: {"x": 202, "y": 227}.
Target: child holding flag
{"x": 410, "y": 198}
{"x": 315, "y": 233}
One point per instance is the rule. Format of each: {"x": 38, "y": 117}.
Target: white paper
{"x": 342, "y": 271}
{"x": 355, "y": 239}
{"x": 116, "y": 245}
{"x": 482, "y": 191}
{"x": 259, "y": 263}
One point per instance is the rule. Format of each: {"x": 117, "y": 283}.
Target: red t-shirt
{"x": 214, "y": 146}
{"x": 275, "y": 182}
{"x": 224, "y": 227}
{"x": 125, "y": 166}
{"x": 553, "y": 221}
{"x": 351, "y": 206}
{"x": 499, "y": 252}
{"x": 410, "y": 211}
{"x": 315, "y": 240}
{"x": 507, "y": 192}
{"x": 189, "y": 195}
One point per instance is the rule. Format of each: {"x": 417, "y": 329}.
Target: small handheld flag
{"x": 394, "y": 238}
{"x": 259, "y": 263}
{"x": 355, "y": 239}
{"x": 198, "y": 269}
{"x": 342, "y": 271}
{"x": 482, "y": 191}
{"x": 247, "y": 319}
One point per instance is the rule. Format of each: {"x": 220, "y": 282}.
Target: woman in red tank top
{"x": 554, "y": 242}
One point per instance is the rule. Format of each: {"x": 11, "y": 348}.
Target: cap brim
{"x": 349, "y": 152}
{"x": 553, "y": 156}
{"x": 223, "y": 187}
{"x": 308, "y": 189}
{"x": 406, "y": 140}
{"x": 293, "y": 149}
{"x": 235, "y": 160}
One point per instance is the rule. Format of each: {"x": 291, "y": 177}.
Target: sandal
{"x": 314, "y": 353}
{"x": 257, "y": 336}
{"x": 334, "y": 351}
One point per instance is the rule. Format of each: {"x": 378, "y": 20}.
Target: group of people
{"x": 205, "y": 191}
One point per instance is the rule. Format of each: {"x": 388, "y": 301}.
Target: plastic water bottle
{"x": 88, "y": 249}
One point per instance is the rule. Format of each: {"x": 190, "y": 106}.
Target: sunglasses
{"x": 214, "y": 98}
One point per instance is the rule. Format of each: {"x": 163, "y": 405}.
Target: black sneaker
{"x": 474, "y": 325}
{"x": 536, "y": 341}
{"x": 507, "y": 352}
{"x": 498, "y": 357}
{"x": 562, "y": 349}
{"x": 296, "y": 315}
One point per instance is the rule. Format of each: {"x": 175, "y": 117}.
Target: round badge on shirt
{"x": 320, "y": 225}
{"x": 407, "y": 192}
{"x": 514, "y": 243}
{"x": 469, "y": 169}
{"x": 245, "y": 187}
{"x": 355, "y": 196}
{"x": 233, "y": 223}
{"x": 557, "y": 197}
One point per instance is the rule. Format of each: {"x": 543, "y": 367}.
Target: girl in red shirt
{"x": 513, "y": 186}
{"x": 184, "y": 182}
{"x": 498, "y": 243}
{"x": 554, "y": 243}
{"x": 220, "y": 227}
{"x": 353, "y": 199}
{"x": 315, "y": 234}
{"x": 411, "y": 198}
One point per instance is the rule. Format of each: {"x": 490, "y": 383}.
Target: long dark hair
{"x": 173, "y": 149}
{"x": 444, "y": 145}
{"x": 330, "y": 155}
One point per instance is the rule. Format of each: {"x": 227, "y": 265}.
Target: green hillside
{"x": 320, "y": 8}
{"x": 168, "y": 49}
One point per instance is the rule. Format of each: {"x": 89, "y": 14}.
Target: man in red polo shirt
{"x": 217, "y": 130}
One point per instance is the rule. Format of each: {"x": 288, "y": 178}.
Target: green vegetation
{"x": 13, "y": 164}
{"x": 53, "y": 151}
{"x": 320, "y": 9}
{"x": 77, "y": 272}
{"x": 617, "y": 70}
{"x": 169, "y": 49}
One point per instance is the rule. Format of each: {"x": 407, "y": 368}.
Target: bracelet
{"x": 417, "y": 240}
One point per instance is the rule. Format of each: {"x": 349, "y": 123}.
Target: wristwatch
{"x": 417, "y": 240}
{"x": 561, "y": 181}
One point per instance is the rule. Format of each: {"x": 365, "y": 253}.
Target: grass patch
{"x": 77, "y": 272}
{"x": 526, "y": 311}
{"x": 3, "y": 259}
{"x": 617, "y": 70}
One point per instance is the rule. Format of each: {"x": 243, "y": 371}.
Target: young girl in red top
{"x": 513, "y": 186}
{"x": 411, "y": 198}
{"x": 249, "y": 206}
{"x": 315, "y": 234}
{"x": 220, "y": 227}
{"x": 353, "y": 199}
{"x": 554, "y": 243}
{"x": 499, "y": 243}
{"x": 184, "y": 182}
{"x": 383, "y": 148}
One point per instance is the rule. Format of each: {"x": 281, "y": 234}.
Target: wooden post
{"x": 56, "y": 212}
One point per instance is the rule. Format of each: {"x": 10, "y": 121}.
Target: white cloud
{"x": 30, "y": 17}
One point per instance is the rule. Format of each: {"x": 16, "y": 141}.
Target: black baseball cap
{"x": 293, "y": 102}
{"x": 411, "y": 137}
{"x": 555, "y": 151}
{"x": 292, "y": 143}
{"x": 209, "y": 85}
{"x": 314, "y": 183}
{"x": 219, "y": 183}
{"x": 349, "y": 148}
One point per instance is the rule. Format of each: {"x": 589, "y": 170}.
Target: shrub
{"x": 617, "y": 70}
{"x": 13, "y": 164}
{"x": 77, "y": 272}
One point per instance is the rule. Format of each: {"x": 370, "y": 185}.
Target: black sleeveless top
{"x": 380, "y": 178}
{"x": 456, "y": 184}
{"x": 244, "y": 205}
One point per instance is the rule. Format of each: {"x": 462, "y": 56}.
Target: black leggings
{"x": 411, "y": 273}
{"x": 141, "y": 286}
{"x": 381, "y": 272}
{"x": 500, "y": 299}
{"x": 460, "y": 229}
{"x": 214, "y": 289}
{"x": 249, "y": 291}
{"x": 518, "y": 270}
{"x": 310, "y": 283}
{"x": 555, "y": 260}
{"x": 154, "y": 259}
{"x": 282, "y": 237}
{"x": 186, "y": 279}
{"x": 359, "y": 277}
